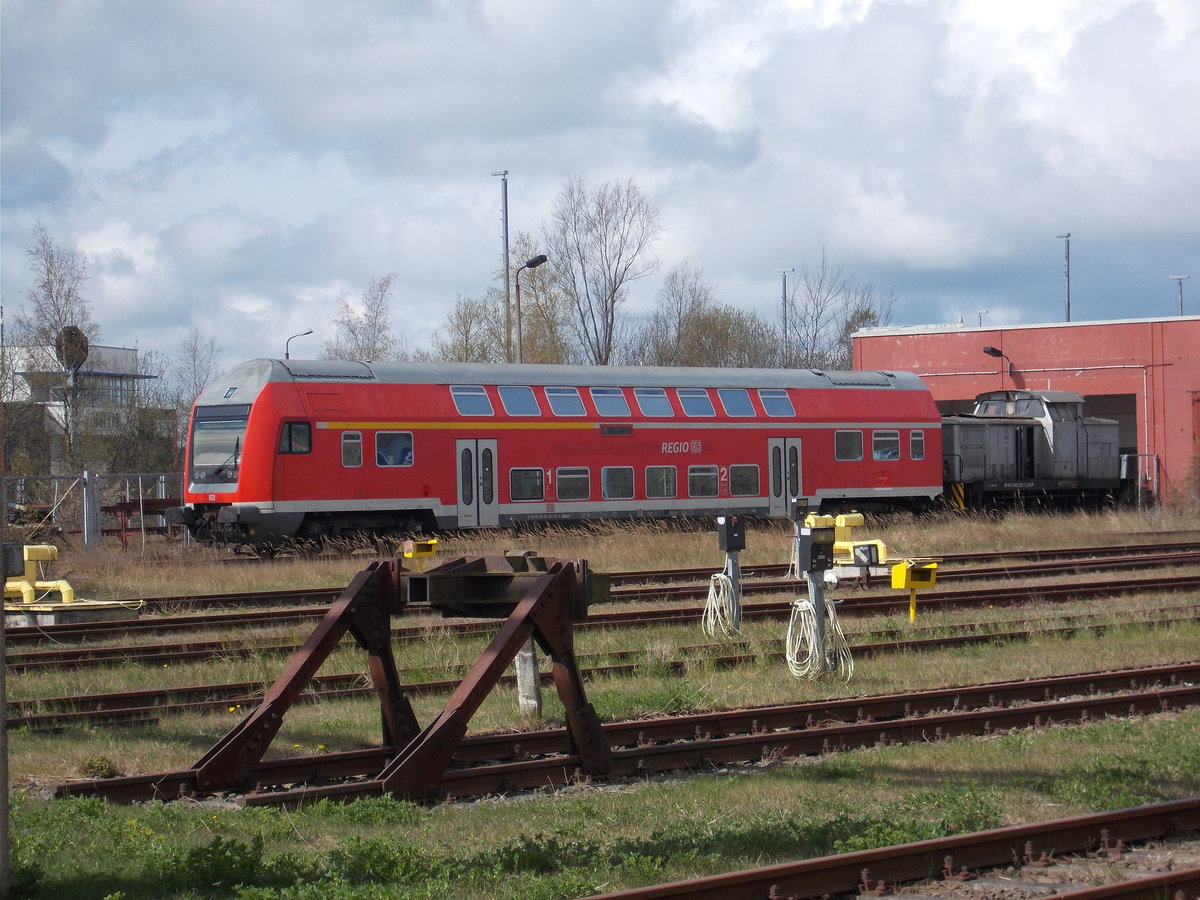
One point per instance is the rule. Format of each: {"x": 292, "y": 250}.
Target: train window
{"x": 574, "y": 484}
{"x": 776, "y": 472}
{"x": 660, "y": 482}
{"x": 736, "y": 402}
{"x": 351, "y": 449}
{"x": 616, "y": 482}
{"x": 847, "y": 445}
{"x": 1030, "y": 406}
{"x": 471, "y": 400}
{"x": 518, "y": 400}
{"x": 487, "y": 468}
{"x": 695, "y": 401}
{"x": 702, "y": 481}
{"x": 525, "y": 484}
{"x": 990, "y": 408}
{"x": 885, "y": 445}
{"x": 610, "y": 401}
{"x": 393, "y": 448}
{"x": 564, "y": 401}
{"x": 916, "y": 445}
{"x": 777, "y": 403}
{"x": 295, "y": 437}
{"x": 217, "y": 435}
{"x": 467, "y": 475}
{"x": 743, "y": 481}
{"x": 653, "y": 402}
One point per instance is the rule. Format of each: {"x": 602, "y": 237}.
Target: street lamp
{"x": 1180, "y": 279}
{"x": 287, "y": 344}
{"x": 998, "y": 353}
{"x": 528, "y": 264}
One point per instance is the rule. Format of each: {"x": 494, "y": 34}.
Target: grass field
{"x": 591, "y": 838}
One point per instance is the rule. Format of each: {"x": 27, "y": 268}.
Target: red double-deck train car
{"x": 283, "y": 449}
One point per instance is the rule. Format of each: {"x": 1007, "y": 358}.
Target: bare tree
{"x": 471, "y": 332}
{"x": 366, "y": 334}
{"x": 690, "y": 328}
{"x": 598, "y": 242}
{"x": 195, "y": 365}
{"x": 825, "y": 306}
{"x": 55, "y": 299}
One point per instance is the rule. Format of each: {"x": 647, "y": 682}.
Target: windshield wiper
{"x": 231, "y": 463}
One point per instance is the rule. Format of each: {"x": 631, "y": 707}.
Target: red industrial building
{"x": 1144, "y": 373}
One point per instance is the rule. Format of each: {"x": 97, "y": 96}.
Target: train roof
{"x": 253, "y": 374}
{"x": 1047, "y": 396}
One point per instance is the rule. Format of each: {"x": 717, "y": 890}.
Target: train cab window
{"x": 564, "y": 401}
{"x": 295, "y": 437}
{"x": 1030, "y": 406}
{"x": 525, "y": 484}
{"x": 743, "y": 481}
{"x": 471, "y": 400}
{"x": 351, "y": 449}
{"x": 610, "y": 401}
{"x": 393, "y": 448}
{"x": 695, "y": 401}
{"x": 702, "y": 481}
{"x": 736, "y": 402}
{"x": 518, "y": 400}
{"x": 574, "y": 484}
{"x": 847, "y": 445}
{"x": 885, "y": 445}
{"x": 777, "y": 403}
{"x": 653, "y": 402}
{"x": 616, "y": 482}
{"x": 660, "y": 482}
{"x": 916, "y": 445}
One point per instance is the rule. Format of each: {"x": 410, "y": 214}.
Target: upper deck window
{"x": 777, "y": 403}
{"x": 610, "y": 401}
{"x": 736, "y": 402}
{"x": 653, "y": 402}
{"x": 471, "y": 400}
{"x": 695, "y": 401}
{"x": 564, "y": 401}
{"x": 518, "y": 400}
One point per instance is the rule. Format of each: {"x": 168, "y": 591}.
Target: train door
{"x": 783, "y": 467}
{"x": 478, "y": 504}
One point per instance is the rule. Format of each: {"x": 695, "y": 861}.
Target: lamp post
{"x": 1067, "y": 274}
{"x": 1180, "y": 279}
{"x": 288, "y": 343}
{"x": 503, "y": 175}
{"x": 783, "y": 311}
{"x": 528, "y": 264}
{"x": 998, "y": 353}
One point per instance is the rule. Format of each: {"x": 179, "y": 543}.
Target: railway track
{"x": 502, "y": 763}
{"x": 26, "y": 636}
{"x": 1108, "y": 855}
{"x": 148, "y": 706}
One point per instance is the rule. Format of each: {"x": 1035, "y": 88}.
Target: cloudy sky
{"x": 239, "y": 166}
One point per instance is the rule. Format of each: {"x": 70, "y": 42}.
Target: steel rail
{"x": 701, "y": 740}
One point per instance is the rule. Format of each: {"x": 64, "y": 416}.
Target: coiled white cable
{"x": 723, "y": 608}
{"x": 804, "y": 658}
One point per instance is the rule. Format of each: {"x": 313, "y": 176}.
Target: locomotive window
{"x": 653, "y": 402}
{"x": 610, "y": 401}
{"x": 525, "y": 484}
{"x": 295, "y": 437}
{"x": 660, "y": 482}
{"x": 736, "y": 402}
{"x": 393, "y": 448}
{"x": 916, "y": 445}
{"x": 990, "y": 408}
{"x": 518, "y": 400}
{"x": 743, "y": 481}
{"x": 1030, "y": 406}
{"x": 777, "y": 403}
{"x": 695, "y": 401}
{"x": 574, "y": 484}
{"x": 847, "y": 445}
{"x": 702, "y": 481}
{"x": 351, "y": 449}
{"x": 885, "y": 445}
{"x": 616, "y": 482}
{"x": 565, "y": 401}
{"x": 471, "y": 400}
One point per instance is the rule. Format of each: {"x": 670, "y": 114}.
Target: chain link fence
{"x": 92, "y": 510}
